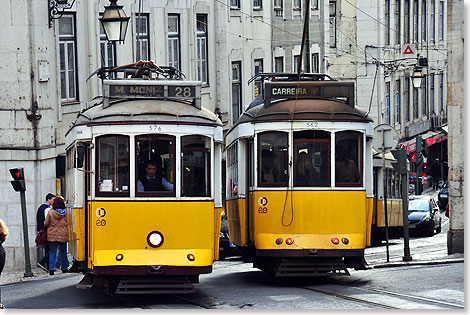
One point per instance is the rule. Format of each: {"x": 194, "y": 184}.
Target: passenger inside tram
{"x": 305, "y": 174}
{"x": 153, "y": 180}
{"x": 346, "y": 169}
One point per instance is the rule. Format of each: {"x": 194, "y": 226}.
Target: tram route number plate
{"x": 152, "y": 91}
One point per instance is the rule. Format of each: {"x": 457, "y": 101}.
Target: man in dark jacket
{"x": 436, "y": 174}
{"x": 40, "y": 218}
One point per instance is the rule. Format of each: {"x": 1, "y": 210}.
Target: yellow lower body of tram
{"x": 117, "y": 244}
{"x": 312, "y": 219}
{"x": 395, "y": 220}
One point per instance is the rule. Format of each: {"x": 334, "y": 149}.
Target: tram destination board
{"x": 308, "y": 90}
{"x": 170, "y": 90}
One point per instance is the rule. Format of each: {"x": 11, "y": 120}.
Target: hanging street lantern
{"x": 114, "y": 22}
{"x": 417, "y": 77}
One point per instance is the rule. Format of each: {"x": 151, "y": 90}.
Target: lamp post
{"x": 417, "y": 77}
{"x": 114, "y": 22}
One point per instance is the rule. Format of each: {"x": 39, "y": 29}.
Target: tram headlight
{"x": 155, "y": 239}
{"x": 119, "y": 257}
{"x": 191, "y": 257}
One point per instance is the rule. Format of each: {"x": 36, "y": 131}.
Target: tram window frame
{"x": 162, "y": 193}
{"x": 207, "y": 166}
{"x": 98, "y": 192}
{"x": 259, "y": 162}
{"x": 303, "y": 139}
{"x": 360, "y": 156}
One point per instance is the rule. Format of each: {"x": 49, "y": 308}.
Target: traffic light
{"x": 400, "y": 165}
{"x": 419, "y": 150}
{"x": 18, "y": 179}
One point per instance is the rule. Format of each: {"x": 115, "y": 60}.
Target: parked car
{"x": 443, "y": 196}
{"x": 424, "y": 216}
{"x": 225, "y": 247}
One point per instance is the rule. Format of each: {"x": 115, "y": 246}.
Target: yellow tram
{"x": 299, "y": 177}
{"x": 144, "y": 175}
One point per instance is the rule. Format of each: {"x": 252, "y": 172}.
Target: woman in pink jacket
{"x": 57, "y": 234}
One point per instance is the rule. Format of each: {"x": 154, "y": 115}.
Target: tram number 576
{"x": 154, "y": 128}
{"x": 312, "y": 124}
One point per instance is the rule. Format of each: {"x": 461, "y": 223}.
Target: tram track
{"x": 406, "y": 297}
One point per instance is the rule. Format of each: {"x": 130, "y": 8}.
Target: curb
{"x": 417, "y": 263}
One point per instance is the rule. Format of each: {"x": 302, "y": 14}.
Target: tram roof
{"x": 146, "y": 111}
{"x": 302, "y": 109}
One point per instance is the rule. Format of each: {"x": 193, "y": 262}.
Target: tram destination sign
{"x": 157, "y": 89}
{"x": 308, "y": 90}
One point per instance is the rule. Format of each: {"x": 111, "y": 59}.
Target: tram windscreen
{"x": 113, "y": 164}
{"x": 155, "y": 163}
{"x": 348, "y": 158}
{"x": 273, "y": 159}
{"x": 195, "y": 166}
{"x": 312, "y": 158}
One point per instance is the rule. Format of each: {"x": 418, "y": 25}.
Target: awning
{"x": 429, "y": 138}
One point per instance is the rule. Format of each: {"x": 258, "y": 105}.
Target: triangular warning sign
{"x": 408, "y": 50}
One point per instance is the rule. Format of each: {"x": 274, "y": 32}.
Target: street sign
{"x": 385, "y": 138}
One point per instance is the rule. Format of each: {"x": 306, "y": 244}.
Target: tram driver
{"x": 153, "y": 179}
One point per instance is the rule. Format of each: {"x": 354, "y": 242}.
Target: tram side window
{"x": 232, "y": 167}
{"x": 348, "y": 160}
{"x": 312, "y": 158}
{"x": 155, "y": 163}
{"x": 273, "y": 159}
{"x": 195, "y": 161}
{"x": 113, "y": 164}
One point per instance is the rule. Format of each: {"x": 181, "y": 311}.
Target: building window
{"x": 202, "y": 62}
{"x": 236, "y": 90}
{"x": 406, "y": 98}
{"x": 424, "y": 103}
{"x": 297, "y": 64}
{"x": 441, "y": 20}
{"x": 142, "y": 37}
{"x": 278, "y": 7}
{"x": 332, "y": 23}
{"x": 387, "y": 22}
{"x": 397, "y": 102}
{"x": 424, "y": 21}
{"x": 279, "y": 64}
{"x": 431, "y": 87}
{"x": 234, "y": 4}
{"x": 387, "y": 102}
{"x": 415, "y": 21}
{"x": 406, "y": 15}
{"x": 107, "y": 51}
{"x": 68, "y": 59}
{"x": 297, "y": 5}
{"x": 257, "y": 4}
{"x": 441, "y": 92}
{"x": 314, "y": 5}
{"x": 415, "y": 103}
{"x": 397, "y": 21}
{"x": 316, "y": 63}
{"x": 433, "y": 21}
{"x": 258, "y": 82}
{"x": 174, "y": 41}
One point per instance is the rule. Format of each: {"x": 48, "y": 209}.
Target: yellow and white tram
{"x": 299, "y": 178}
{"x": 129, "y": 231}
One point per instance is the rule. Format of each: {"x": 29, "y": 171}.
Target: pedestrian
{"x": 57, "y": 234}
{"x": 40, "y": 218}
{"x": 3, "y": 237}
{"x": 435, "y": 173}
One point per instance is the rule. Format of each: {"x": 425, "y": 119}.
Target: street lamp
{"x": 417, "y": 77}
{"x": 114, "y": 22}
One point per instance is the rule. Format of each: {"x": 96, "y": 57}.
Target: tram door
{"x": 250, "y": 171}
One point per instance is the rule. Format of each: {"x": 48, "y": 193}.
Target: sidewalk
{"x": 375, "y": 256}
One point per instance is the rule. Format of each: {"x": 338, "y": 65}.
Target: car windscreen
{"x": 418, "y": 205}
